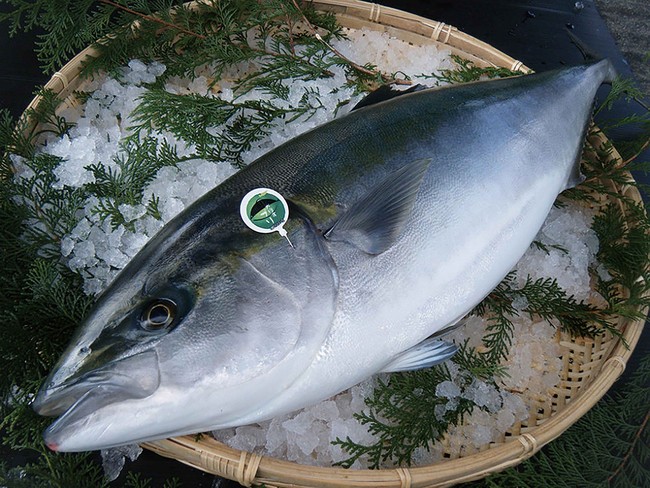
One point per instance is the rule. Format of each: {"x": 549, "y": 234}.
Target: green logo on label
{"x": 265, "y": 210}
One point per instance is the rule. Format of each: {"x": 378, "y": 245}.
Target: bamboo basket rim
{"x": 249, "y": 469}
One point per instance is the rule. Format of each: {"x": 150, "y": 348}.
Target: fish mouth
{"x": 74, "y": 400}
{"x": 54, "y": 401}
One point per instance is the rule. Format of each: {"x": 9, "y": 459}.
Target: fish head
{"x": 114, "y": 357}
{"x": 201, "y": 328}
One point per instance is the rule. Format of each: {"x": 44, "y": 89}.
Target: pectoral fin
{"x": 427, "y": 353}
{"x": 375, "y": 222}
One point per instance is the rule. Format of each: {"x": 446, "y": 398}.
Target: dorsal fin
{"x": 376, "y": 221}
{"x": 386, "y": 92}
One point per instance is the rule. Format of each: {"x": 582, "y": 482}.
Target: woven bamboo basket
{"x": 590, "y": 366}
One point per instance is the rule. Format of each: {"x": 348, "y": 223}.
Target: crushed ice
{"x": 306, "y": 436}
{"x": 113, "y": 459}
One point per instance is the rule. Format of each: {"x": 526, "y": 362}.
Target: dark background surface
{"x": 531, "y": 31}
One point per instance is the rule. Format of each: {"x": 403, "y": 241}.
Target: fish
{"x": 402, "y": 216}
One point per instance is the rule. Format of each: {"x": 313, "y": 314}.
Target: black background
{"x": 530, "y": 31}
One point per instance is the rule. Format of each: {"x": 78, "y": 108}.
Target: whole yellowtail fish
{"x": 402, "y": 216}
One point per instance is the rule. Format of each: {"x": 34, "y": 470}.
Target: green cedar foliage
{"x": 135, "y": 167}
{"x": 466, "y": 72}
{"x": 629, "y": 149}
{"x": 191, "y": 117}
{"x": 40, "y": 305}
{"x": 206, "y": 31}
{"x": 72, "y": 25}
{"x": 54, "y": 472}
{"x": 69, "y": 471}
{"x": 402, "y": 413}
{"x": 545, "y": 300}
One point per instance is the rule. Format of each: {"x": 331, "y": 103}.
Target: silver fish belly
{"x": 403, "y": 216}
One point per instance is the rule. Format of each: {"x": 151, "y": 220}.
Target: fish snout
{"x": 69, "y": 380}
{"x": 53, "y": 401}
{"x": 79, "y": 399}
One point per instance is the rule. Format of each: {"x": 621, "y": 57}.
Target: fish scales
{"x": 404, "y": 214}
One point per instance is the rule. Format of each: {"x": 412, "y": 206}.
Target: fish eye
{"x": 158, "y": 315}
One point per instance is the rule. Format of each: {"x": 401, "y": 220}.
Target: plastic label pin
{"x": 264, "y": 210}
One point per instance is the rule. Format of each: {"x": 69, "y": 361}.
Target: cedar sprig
{"x": 498, "y": 309}
{"x": 51, "y": 211}
{"x": 217, "y": 129}
{"x": 479, "y": 364}
{"x": 547, "y": 300}
{"x": 621, "y": 89}
{"x": 71, "y": 25}
{"x": 44, "y": 303}
{"x": 14, "y": 140}
{"x": 402, "y": 414}
{"x": 546, "y": 248}
{"x": 56, "y": 292}
{"x": 153, "y": 208}
{"x": 50, "y": 470}
{"x": 148, "y": 31}
{"x": 45, "y": 115}
{"x": 637, "y": 124}
{"x": 466, "y": 71}
{"x": 136, "y": 480}
{"x": 543, "y": 298}
{"x": 124, "y": 183}
{"x": 604, "y": 173}
{"x": 20, "y": 138}
{"x": 624, "y": 249}
{"x": 20, "y": 424}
